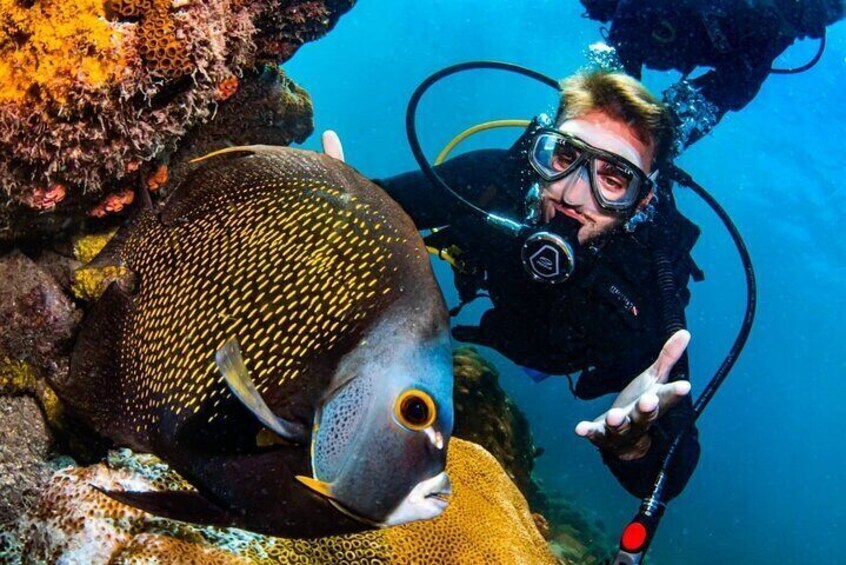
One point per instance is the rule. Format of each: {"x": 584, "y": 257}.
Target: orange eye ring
{"x": 415, "y": 410}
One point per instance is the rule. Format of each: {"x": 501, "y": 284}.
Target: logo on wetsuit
{"x": 627, "y": 302}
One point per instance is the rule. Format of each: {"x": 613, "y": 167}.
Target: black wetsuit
{"x": 607, "y": 323}
{"x": 738, "y": 39}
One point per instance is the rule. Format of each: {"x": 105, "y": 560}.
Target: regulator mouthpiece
{"x": 548, "y": 258}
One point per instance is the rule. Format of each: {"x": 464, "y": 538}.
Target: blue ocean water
{"x": 769, "y": 484}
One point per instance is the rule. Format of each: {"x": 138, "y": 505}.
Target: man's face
{"x": 572, "y": 195}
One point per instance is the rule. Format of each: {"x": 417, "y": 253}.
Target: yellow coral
{"x": 53, "y": 44}
{"x": 16, "y": 377}
{"x": 51, "y": 405}
{"x": 488, "y": 521}
{"x": 86, "y": 247}
{"x": 89, "y": 283}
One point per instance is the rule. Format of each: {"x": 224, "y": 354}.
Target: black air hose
{"x": 672, "y": 312}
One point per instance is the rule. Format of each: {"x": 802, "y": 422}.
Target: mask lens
{"x": 552, "y": 156}
{"x": 564, "y": 155}
{"x": 615, "y": 181}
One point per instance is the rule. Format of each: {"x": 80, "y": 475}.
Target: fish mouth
{"x": 440, "y": 498}
{"x": 444, "y": 492}
{"x": 427, "y": 500}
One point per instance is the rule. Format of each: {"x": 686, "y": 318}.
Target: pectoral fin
{"x": 320, "y": 487}
{"x": 184, "y": 506}
{"x": 231, "y": 365}
{"x": 325, "y": 490}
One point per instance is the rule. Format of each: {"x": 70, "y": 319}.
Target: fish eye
{"x": 415, "y": 410}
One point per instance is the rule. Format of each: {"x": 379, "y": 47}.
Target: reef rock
{"x": 488, "y": 521}
{"x": 24, "y": 453}
{"x": 95, "y": 96}
{"x": 37, "y": 318}
{"x": 38, "y": 322}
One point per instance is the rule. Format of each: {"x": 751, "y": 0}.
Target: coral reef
{"x": 487, "y": 521}
{"x": 485, "y": 415}
{"x": 163, "y": 53}
{"x": 95, "y": 98}
{"x": 49, "y": 46}
{"x": 573, "y": 537}
{"x": 282, "y": 31}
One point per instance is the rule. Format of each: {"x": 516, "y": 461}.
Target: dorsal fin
{"x": 215, "y": 184}
{"x": 228, "y": 150}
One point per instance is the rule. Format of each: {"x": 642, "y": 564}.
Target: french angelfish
{"x": 282, "y": 344}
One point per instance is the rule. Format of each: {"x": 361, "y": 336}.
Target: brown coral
{"x": 487, "y": 521}
{"x": 37, "y": 319}
{"x": 282, "y": 32}
{"x": 24, "y": 468}
{"x": 164, "y": 53}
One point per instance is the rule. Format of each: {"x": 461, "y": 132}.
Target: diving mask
{"x": 617, "y": 184}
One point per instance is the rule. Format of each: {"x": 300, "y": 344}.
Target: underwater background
{"x": 769, "y": 483}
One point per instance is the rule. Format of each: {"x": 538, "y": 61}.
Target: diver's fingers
{"x": 617, "y": 421}
{"x": 594, "y": 431}
{"x": 645, "y": 411}
{"x": 670, "y": 354}
{"x": 669, "y": 394}
{"x": 332, "y": 145}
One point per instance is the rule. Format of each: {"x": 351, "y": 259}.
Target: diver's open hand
{"x": 332, "y": 145}
{"x": 622, "y": 430}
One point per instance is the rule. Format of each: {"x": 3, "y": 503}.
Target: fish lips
{"x": 427, "y": 500}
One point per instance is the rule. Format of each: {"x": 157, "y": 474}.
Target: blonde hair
{"x": 623, "y": 98}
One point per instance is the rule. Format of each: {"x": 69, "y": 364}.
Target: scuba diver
{"x": 738, "y": 40}
{"x": 590, "y": 177}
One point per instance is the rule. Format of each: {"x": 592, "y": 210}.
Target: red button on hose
{"x": 634, "y": 536}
